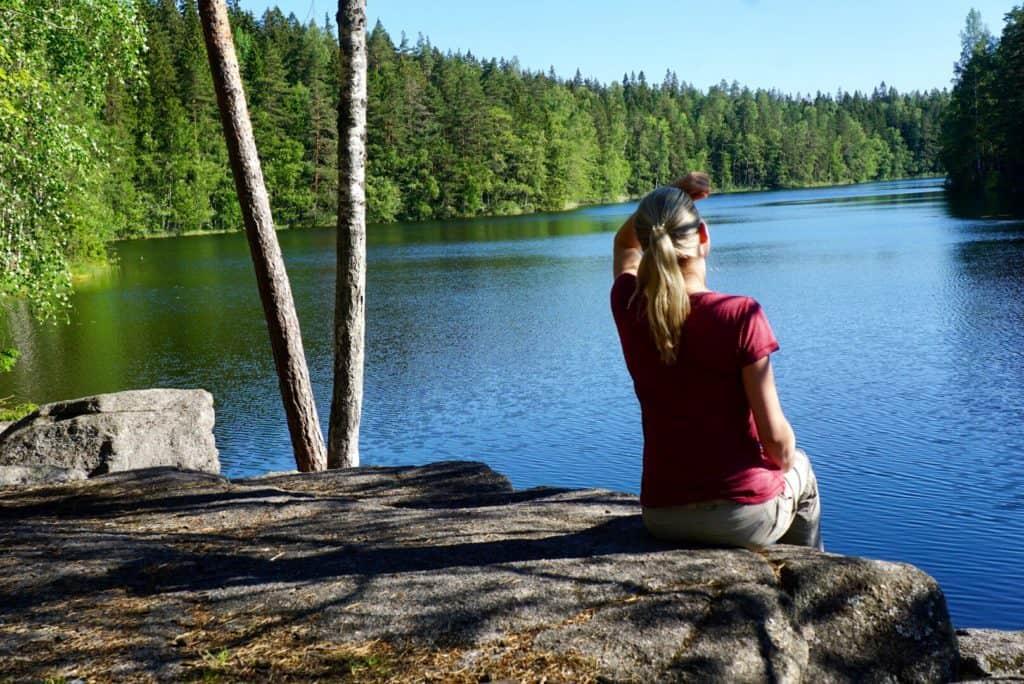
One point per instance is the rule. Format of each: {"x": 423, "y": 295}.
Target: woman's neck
{"x": 695, "y": 275}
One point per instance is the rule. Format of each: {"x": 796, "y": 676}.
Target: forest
{"x": 109, "y": 130}
{"x": 983, "y": 139}
{"x": 453, "y": 135}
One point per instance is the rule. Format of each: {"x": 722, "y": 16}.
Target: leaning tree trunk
{"x": 275, "y": 291}
{"x": 350, "y": 292}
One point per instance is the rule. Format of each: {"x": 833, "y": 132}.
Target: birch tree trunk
{"x": 271, "y": 277}
{"x": 350, "y": 292}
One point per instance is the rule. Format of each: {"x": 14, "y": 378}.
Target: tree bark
{"x": 350, "y": 292}
{"x": 271, "y": 277}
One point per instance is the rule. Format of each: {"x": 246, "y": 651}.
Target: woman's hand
{"x": 696, "y": 184}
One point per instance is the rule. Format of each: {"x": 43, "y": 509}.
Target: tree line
{"x": 983, "y": 139}
{"x": 454, "y": 135}
{"x": 451, "y": 135}
{"x": 109, "y": 129}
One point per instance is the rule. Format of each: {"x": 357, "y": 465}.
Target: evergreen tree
{"x": 969, "y": 141}
{"x": 1010, "y": 123}
{"x": 321, "y": 66}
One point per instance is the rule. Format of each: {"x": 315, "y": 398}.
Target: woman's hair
{"x": 666, "y": 225}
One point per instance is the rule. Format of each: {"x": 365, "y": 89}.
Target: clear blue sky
{"x": 792, "y": 46}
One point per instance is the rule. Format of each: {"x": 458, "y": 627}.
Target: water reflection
{"x": 868, "y": 200}
{"x": 985, "y": 205}
{"x": 486, "y": 230}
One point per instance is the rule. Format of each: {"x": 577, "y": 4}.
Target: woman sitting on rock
{"x": 720, "y": 463}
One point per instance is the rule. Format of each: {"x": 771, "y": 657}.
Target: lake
{"x": 901, "y": 368}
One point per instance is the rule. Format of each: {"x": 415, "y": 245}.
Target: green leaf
{"x": 8, "y": 357}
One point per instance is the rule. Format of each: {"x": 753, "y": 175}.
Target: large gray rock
{"x": 108, "y": 433}
{"x": 438, "y": 573}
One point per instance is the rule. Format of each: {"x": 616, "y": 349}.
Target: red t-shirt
{"x": 700, "y": 440}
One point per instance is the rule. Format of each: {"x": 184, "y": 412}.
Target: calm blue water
{"x": 901, "y": 367}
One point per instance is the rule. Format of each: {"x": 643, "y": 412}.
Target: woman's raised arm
{"x": 626, "y": 250}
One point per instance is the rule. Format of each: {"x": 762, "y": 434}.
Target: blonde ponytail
{"x": 663, "y": 285}
{"x": 666, "y": 226}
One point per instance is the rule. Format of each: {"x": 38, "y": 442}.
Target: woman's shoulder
{"x": 622, "y": 291}
{"x": 728, "y": 305}
{"x": 736, "y": 320}
{"x": 626, "y": 279}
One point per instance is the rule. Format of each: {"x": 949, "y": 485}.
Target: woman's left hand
{"x": 696, "y": 184}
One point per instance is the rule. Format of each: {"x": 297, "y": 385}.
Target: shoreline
{"x": 569, "y": 207}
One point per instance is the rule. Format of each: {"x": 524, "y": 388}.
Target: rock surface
{"x": 111, "y": 433}
{"x": 25, "y": 475}
{"x": 439, "y": 573}
{"x": 990, "y": 653}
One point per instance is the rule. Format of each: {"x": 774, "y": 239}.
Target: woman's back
{"x": 700, "y": 439}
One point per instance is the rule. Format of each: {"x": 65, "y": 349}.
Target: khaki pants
{"x": 793, "y": 517}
